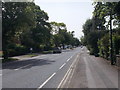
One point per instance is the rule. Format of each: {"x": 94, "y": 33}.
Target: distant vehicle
{"x": 81, "y": 46}
{"x": 96, "y": 55}
{"x": 57, "y": 50}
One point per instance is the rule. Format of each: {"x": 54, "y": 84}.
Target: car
{"x": 96, "y": 55}
{"x": 57, "y": 50}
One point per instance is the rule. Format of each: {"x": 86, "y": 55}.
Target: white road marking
{"x": 0, "y": 74}
{"x": 62, "y": 66}
{"x": 69, "y": 59}
{"x": 62, "y": 82}
{"x": 67, "y": 74}
{"x": 65, "y": 63}
{"x": 46, "y": 81}
{"x": 72, "y": 72}
{"x": 22, "y": 67}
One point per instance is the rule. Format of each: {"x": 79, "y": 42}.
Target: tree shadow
{"x": 25, "y": 64}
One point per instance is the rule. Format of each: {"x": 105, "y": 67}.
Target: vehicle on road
{"x": 57, "y": 50}
{"x": 96, "y": 55}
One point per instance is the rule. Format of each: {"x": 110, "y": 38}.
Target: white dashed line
{"x": 0, "y": 74}
{"x": 22, "y": 67}
{"x": 69, "y": 59}
{"x": 69, "y": 70}
{"x": 46, "y": 81}
{"x": 67, "y": 74}
{"x": 62, "y": 66}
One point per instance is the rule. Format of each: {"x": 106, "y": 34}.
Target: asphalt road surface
{"x": 91, "y": 72}
{"x": 44, "y": 71}
{"x": 69, "y": 69}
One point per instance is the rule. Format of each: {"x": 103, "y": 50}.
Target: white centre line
{"x": 62, "y": 66}
{"x": 67, "y": 74}
{"x": 46, "y": 81}
{"x": 22, "y": 67}
{"x": 69, "y": 59}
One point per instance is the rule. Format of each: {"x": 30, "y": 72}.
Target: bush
{"x": 92, "y": 42}
{"x": 103, "y": 45}
{"x": 116, "y": 44}
{"x": 17, "y": 49}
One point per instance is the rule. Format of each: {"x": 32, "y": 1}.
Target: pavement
{"x": 91, "y": 72}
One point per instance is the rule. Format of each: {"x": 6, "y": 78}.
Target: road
{"x": 69, "y": 69}
{"x": 44, "y": 71}
{"x": 91, "y": 72}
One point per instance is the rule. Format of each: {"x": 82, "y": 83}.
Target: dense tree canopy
{"x": 16, "y": 17}
{"x": 97, "y": 31}
{"x": 26, "y": 26}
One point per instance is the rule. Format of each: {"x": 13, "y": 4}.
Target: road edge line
{"x": 67, "y": 73}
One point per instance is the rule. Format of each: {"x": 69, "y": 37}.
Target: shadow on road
{"x": 27, "y": 63}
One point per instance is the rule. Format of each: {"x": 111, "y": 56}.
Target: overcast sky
{"x": 71, "y": 12}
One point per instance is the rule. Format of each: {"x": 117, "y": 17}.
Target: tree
{"x": 41, "y": 34}
{"x": 92, "y": 30}
{"x": 61, "y": 36}
{"x": 16, "y": 17}
{"x": 103, "y": 10}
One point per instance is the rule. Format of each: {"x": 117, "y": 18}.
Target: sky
{"x": 73, "y": 13}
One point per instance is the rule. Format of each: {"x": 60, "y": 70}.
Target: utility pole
{"x": 111, "y": 42}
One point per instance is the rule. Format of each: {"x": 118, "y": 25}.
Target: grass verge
{"x": 9, "y": 60}
{"x": 47, "y": 52}
{"x": 30, "y": 55}
{"x": 1, "y": 53}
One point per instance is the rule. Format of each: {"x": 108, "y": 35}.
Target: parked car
{"x": 57, "y": 50}
{"x": 96, "y": 55}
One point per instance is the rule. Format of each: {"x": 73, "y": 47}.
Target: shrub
{"x": 116, "y": 43}
{"x": 92, "y": 40}
{"x": 17, "y": 49}
{"x": 103, "y": 45}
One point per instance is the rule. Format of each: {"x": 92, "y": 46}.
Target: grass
{"x": 30, "y": 55}
{"x": 23, "y": 56}
{"x": 1, "y": 53}
{"x": 47, "y": 52}
{"x": 9, "y": 60}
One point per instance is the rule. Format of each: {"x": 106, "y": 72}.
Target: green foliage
{"x": 16, "y": 17}
{"x": 103, "y": 45}
{"x": 16, "y": 49}
{"x": 26, "y": 26}
{"x": 87, "y": 27}
{"x": 116, "y": 43}
{"x": 91, "y": 35}
{"x": 96, "y": 30}
{"x": 9, "y": 59}
{"x": 92, "y": 42}
{"x": 62, "y": 37}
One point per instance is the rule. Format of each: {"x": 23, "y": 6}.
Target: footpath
{"x": 91, "y": 72}
{"x": 22, "y": 57}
